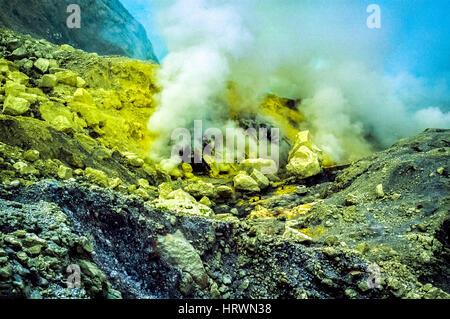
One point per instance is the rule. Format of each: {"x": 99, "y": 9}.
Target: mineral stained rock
{"x": 304, "y": 157}
{"x": 200, "y": 189}
{"x": 182, "y": 254}
{"x": 79, "y": 192}
{"x": 245, "y": 183}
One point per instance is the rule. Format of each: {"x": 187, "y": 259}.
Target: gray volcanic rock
{"x": 107, "y": 28}
{"x": 395, "y": 247}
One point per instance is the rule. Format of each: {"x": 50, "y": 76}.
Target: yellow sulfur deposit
{"x": 288, "y": 117}
{"x": 295, "y": 212}
{"x": 115, "y": 102}
{"x": 261, "y": 212}
{"x": 313, "y": 232}
{"x": 283, "y": 190}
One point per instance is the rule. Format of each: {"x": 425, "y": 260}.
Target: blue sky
{"x": 145, "y": 11}
{"x": 417, "y": 32}
{"x": 419, "y": 35}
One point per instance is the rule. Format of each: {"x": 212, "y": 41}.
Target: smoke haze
{"x": 318, "y": 51}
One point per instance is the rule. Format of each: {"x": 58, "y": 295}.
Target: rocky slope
{"x": 78, "y": 190}
{"x": 107, "y": 28}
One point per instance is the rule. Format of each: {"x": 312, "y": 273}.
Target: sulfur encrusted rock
{"x": 42, "y": 65}
{"x": 18, "y": 77}
{"x": 263, "y": 181}
{"x": 7, "y": 66}
{"x": 135, "y": 161}
{"x": 81, "y": 83}
{"x": 96, "y": 177}
{"x": 83, "y": 96}
{"x": 164, "y": 190}
{"x": 14, "y": 89}
{"x": 20, "y": 52}
{"x": 15, "y": 105}
{"x": 65, "y": 172}
{"x": 94, "y": 278}
{"x": 187, "y": 170}
{"x": 224, "y": 192}
{"x": 48, "y": 81}
{"x": 266, "y": 166}
{"x": 205, "y": 201}
{"x": 177, "y": 249}
{"x": 304, "y": 157}
{"x": 31, "y": 155}
{"x": 67, "y": 77}
{"x": 109, "y": 99}
{"x": 181, "y": 202}
{"x": 201, "y": 189}
{"x": 295, "y": 235}
{"x": 379, "y": 191}
{"x": 245, "y": 183}
{"x": 62, "y": 123}
{"x": 25, "y": 169}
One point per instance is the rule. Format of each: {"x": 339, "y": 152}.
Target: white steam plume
{"x": 318, "y": 51}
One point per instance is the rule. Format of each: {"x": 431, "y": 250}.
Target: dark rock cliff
{"x": 107, "y": 28}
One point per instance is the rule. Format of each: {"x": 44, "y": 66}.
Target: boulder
{"x": 83, "y": 96}
{"x": 245, "y": 183}
{"x": 181, "y": 195}
{"x": 379, "y": 191}
{"x": 93, "y": 278}
{"x": 81, "y": 83}
{"x": 143, "y": 183}
{"x": 25, "y": 169}
{"x": 143, "y": 193}
{"x": 179, "y": 252}
{"x": 18, "y": 77}
{"x": 96, "y": 177}
{"x": 67, "y": 77}
{"x": 304, "y": 157}
{"x": 224, "y": 192}
{"x": 304, "y": 163}
{"x": 42, "y": 65}
{"x": 181, "y": 202}
{"x": 187, "y": 170}
{"x": 6, "y": 271}
{"x": 65, "y": 172}
{"x": 48, "y": 81}
{"x": 263, "y": 181}
{"x": 90, "y": 269}
{"x": 205, "y": 201}
{"x": 164, "y": 190}
{"x": 201, "y": 189}
{"x": 20, "y": 52}
{"x": 115, "y": 182}
{"x": 62, "y": 123}
{"x": 302, "y": 138}
{"x": 31, "y": 98}
{"x": 91, "y": 115}
{"x": 14, "y": 89}
{"x": 31, "y": 155}
{"x": 7, "y": 66}
{"x": 266, "y": 166}
{"x": 15, "y": 105}
{"x": 26, "y": 64}
{"x": 135, "y": 161}
{"x": 217, "y": 169}
{"x": 295, "y": 235}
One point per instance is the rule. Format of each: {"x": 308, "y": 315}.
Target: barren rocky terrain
{"x": 77, "y": 188}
